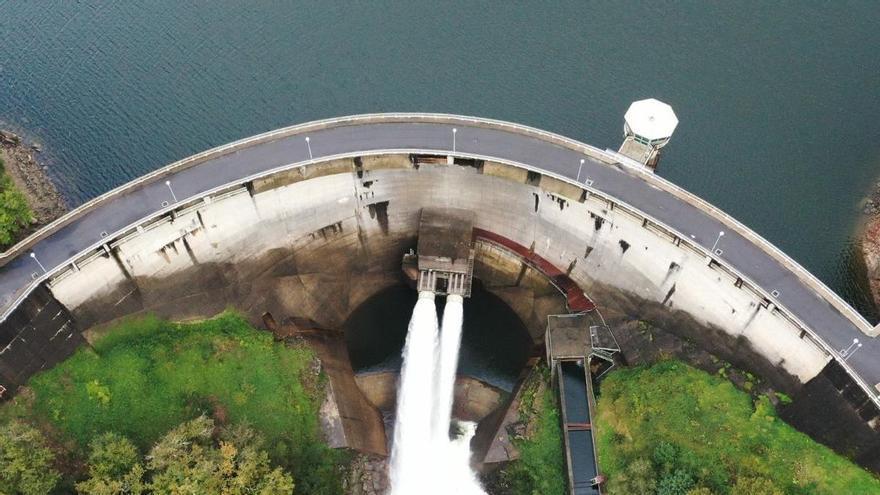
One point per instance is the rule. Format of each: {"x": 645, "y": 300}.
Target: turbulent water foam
{"x": 424, "y": 460}
{"x": 447, "y": 363}
{"x": 411, "y": 462}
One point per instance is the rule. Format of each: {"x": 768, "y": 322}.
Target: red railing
{"x": 577, "y": 301}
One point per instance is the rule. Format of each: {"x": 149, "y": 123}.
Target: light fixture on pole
{"x": 173, "y": 196}
{"x": 849, "y": 351}
{"x": 581, "y": 166}
{"x": 310, "y": 147}
{"x": 720, "y": 235}
{"x": 34, "y": 256}
{"x": 454, "y": 130}
{"x": 859, "y": 346}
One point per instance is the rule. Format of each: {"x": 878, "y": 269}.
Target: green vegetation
{"x": 14, "y": 211}
{"x": 147, "y": 376}
{"x": 189, "y": 459}
{"x": 25, "y": 460}
{"x": 671, "y": 429}
{"x": 540, "y": 470}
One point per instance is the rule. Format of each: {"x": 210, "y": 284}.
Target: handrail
{"x": 592, "y": 190}
{"x": 203, "y": 156}
{"x": 604, "y": 156}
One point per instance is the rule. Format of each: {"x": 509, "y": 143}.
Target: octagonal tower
{"x": 648, "y": 125}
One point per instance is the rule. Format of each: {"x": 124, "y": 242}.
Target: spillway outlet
{"x": 444, "y": 259}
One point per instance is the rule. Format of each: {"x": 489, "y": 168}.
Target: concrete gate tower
{"x": 648, "y": 126}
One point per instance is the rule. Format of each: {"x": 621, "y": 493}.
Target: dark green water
{"x": 778, "y": 102}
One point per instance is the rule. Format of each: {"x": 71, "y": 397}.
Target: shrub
{"x": 638, "y": 478}
{"x": 697, "y": 426}
{"x": 540, "y": 470}
{"x": 754, "y": 486}
{"x": 14, "y": 211}
{"x": 25, "y": 461}
{"x": 188, "y": 459}
{"x": 677, "y": 482}
{"x": 146, "y": 376}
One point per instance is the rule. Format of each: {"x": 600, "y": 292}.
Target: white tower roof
{"x": 651, "y": 119}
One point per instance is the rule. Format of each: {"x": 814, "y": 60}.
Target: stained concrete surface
{"x": 311, "y": 248}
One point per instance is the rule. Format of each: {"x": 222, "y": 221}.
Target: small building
{"x": 444, "y": 257}
{"x": 648, "y": 125}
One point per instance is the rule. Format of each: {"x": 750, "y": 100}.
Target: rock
{"x": 367, "y": 475}
{"x": 316, "y": 366}
{"x": 517, "y": 430}
{"x": 870, "y": 247}
{"x": 9, "y": 138}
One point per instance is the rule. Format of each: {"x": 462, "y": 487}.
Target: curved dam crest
{"x": 270, "y": 222}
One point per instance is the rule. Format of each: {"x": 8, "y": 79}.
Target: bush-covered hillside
{"x": 147, "y": 376}
{"x": 672, "y": 429}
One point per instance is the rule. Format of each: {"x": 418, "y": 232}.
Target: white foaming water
{"x": 455, "y": 475}
{"x": 423, "y": 458}
{"x": 411, "y": 453}
{"x": 447, "y": 364}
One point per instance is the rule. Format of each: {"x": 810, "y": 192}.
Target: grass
{"x": 148, "y": 375}
{"x": 682, "y": 419}
{"x": 540, "y": 469}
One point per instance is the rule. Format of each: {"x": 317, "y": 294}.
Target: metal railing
{"x": 607, "y": 156}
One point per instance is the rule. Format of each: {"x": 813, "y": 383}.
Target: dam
{"x": 312, "y": 220}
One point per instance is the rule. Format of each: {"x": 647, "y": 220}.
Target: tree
{"x": 188, "y": 460}
{"x": 14, "y": 211}
{"x": 25, "y": 461}
{"x": 702, "y": 490}
{"x": 677, "y": 482}
{"x": 665, "y": 456}
{"x": 638, "y": 478}
{"x": 114, "y": 467}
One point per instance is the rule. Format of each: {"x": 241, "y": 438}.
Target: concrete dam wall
{"x": 302, "y": 242}
{"x": 314, "y": 236}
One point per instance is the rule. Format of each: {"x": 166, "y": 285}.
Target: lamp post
{"x": 310, "y": 147}
{"x": 34, "y": 256}
{"x": 454, "y": 130}
{"x": 849, "y": 351}
{"x": 173, "y": 196}
{"x": 581, "y": 166}
{"x": 720, "y": 235}
{"x": 853, "y": 352}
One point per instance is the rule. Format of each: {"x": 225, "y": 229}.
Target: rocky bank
{"x": 869, "y": 241}
{"x": 367, "y": 475}
{"x": 31, "y": 178}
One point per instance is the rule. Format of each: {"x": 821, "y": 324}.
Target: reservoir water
{"x": 778, "y": 102}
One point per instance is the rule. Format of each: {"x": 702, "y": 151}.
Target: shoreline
{"x": 867, "y": 237}
{"x": 31, "y": 178}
